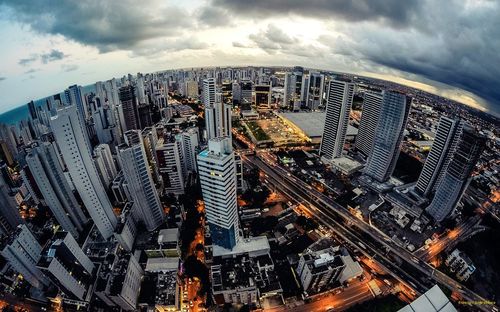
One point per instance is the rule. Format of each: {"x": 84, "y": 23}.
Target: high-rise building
{"x": 147, "y": 205}
{"x": 457, "y": 176}
{"x": 105, "y": 164}
{"x": 67, "y": 266}
{"x": 74, "y": 96}
{"x": 170, "y": 164}
{"x": 192, "y": 89}
{"x": 445, "y": 143}
{"x": 292, "y": 90}
{"x": 263, "y": 96}
{"x": 339, "y": 101}
{"x": 71, "y": 137}
{"x": 129, "y": 108}
{"x": 22, "y": 251}
{"x": 119, "y": 281}
{"x": 190, "y": 147}
{"x": 9, "y": 212}
{"x": 218, "y": 118}
{"x": 388, "y": 135}
{"x": 372, "y": 103}
{"x": 8, "y": 144}
{"x": 317, "y": 270}
{"x": 208, "y": 92}
{"x": 141, "y": 93}
{"x": 314, "y": 91}
{"x": 246, "y": 90}
{"x": 48, "y": 174}
{"x": 217, "y": 172}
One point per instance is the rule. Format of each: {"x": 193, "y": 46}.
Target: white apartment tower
{"x": 443, "y": 148}
{"x": 372, "y": 103}
{"x": 105, "y": 164}
{"x": 67, "y": 266}
{"x": 216, "y": 169}
{"x": 388, "y": 135}
{"x": 22, "y": 251}
{"x": 49, "y": 177}
{"x": 71, "y": 137}
{"x": 147, "y": 205}
{"x": 190, "y": 145}
{"x": 339, "y": 100}
{"x": 170, "y": 164}
{"x": 218, "y": 118}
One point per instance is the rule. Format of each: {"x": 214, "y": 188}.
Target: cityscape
{"x": 248, "y": 188}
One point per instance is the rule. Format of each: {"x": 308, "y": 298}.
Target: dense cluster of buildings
{"x": 102, "y": 158}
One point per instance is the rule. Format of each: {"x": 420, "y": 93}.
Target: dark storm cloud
{"x": 395, "y": 12}
{"x": 2, "y": 78}
{"x": 53, "y": 55}
{"x": 107, "y": 25}
{"x": 462, "y": 51}
{"x": 212, "y": 16}
{"x": 454, "y": 42}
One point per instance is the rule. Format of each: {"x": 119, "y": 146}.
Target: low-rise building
{"x": 119, "y": 281}
{"x": 243, "y": 279}
{"x": 319, "y": 270}
{"x": 460, "y": 264}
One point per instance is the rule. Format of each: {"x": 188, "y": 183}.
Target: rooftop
{"x": 433, "y": 300}
{"x": 253, "y": 246}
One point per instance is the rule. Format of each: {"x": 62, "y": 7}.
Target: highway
{"x": 377, "y": 243}
{"x": 350, "y": 296}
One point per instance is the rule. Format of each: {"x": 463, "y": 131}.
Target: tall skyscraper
{"x": 208, "y": 92}
{"x": 71, "y": 137}
{"x": 105, "y": 164}
{"x": 49, "y": 177}
{"x": 263, "y": 96}
{"x": 443, "y": 148}
{"x": 246, "y": 90}
{"x": 388, "y": 135}
{"x": 8, "y": 144}
{"x": 372, "y": 103}
{"x": 292, "y": 90}
{"x": 217, "y": 172}
{"x": 457, "y": 176}
{"x": 129, "y": 107}
{"x": 9, "y": 212}
{"x": 314, "y": 91}
{"x": 170, "y": 164}
{"x": 22, "y": 251}
{"x": 74, "y": 96}
{"x": 190, "y": 147}
{"x": 339, "y": 101}
{"x": 67, "y": 266}
{"x": 147, "y": 205}
{"x": 218, "y": 118}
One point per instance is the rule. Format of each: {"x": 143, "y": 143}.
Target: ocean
{"x": 14, "y": 116}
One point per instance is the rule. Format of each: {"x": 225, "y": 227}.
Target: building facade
{"x": 388, "y": 135}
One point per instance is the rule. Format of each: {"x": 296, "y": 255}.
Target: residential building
{"x": 318, "y": 270}
{"x": 71, "y": 137}
{"x": 129, "y": 107}
{"x": 460, "y": 264}
{"x": 457, "y": 176}
{"x": 372, "y": 103}
{"x": 147, "y": 205}
{"x": 105, "y": 164}
{"x": 49, "y": 177}
{"x": 169, "y": 155}
{"x": 339, "y": 101}
{"x": 388, "y": 135}
{"x": 22, "y": 252}
{"x": 67, "y": 266}
{"x": 444, "y": 146}
{"x": 9, "y": 211}
{"x": 217, "y": 172}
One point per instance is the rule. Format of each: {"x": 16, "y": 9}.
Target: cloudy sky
{"x": 449, "y": 47}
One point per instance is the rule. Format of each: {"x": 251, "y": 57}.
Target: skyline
{"x": 47, "y": 51}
